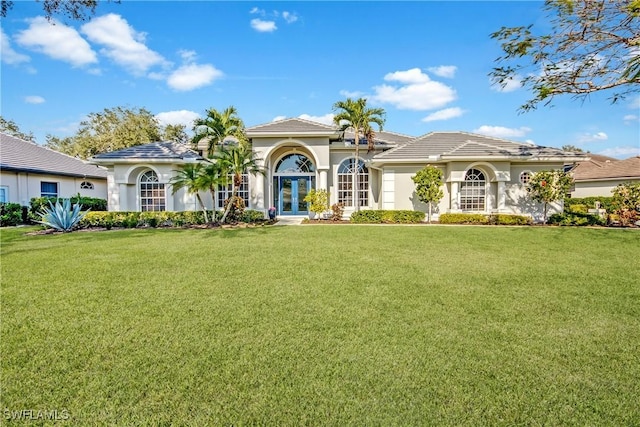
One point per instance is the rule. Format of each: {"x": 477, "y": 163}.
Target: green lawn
{"x": 324, "y": 325}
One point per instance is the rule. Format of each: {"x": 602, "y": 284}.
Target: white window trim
{"x": 355, "y": 193}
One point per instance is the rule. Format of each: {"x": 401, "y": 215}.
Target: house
{"x": 482, "y": 174}
{"x": 29, "y": 170}
{"x": 599, "y": 175}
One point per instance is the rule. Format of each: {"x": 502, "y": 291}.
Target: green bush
{"x": 387, "y": 217}
{"x": 38, "y": 204}
{"x": 502, "y": 219}
{"x": 252, "y": 216}
{"x": 575, "y": 219}
{"x": 463, "y": 218}
{"x": 588, "y": 203}
{"x": 157, "y": 219}
{"x": 10, "y": 214}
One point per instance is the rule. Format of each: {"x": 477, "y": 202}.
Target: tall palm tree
{"x": 211, "y": 178}
{"x": 190, "y": 177}
{"x": 355, "y": 115}
{"x": 217, "y": 126}
{"x": 236, "y": 160}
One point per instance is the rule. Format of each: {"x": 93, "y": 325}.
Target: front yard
{"x": 316, "y": 325}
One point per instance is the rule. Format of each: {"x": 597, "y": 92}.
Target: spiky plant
{"x": 61, "y": 216}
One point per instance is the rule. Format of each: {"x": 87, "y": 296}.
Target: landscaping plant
{"x": 62, "y": 216}
{"x": 429, "y": 186}
{"x": 548, "y": 187}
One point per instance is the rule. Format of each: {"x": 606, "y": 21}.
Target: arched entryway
{"x": 294, "y": 175}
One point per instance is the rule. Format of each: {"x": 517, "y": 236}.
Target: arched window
{"x": 152, "y": 194}
{"x": 86, "y": 185}
{"x": 295, "y": 163}
{"x": 473, "y": 191}
{"x": 346, "y": 189}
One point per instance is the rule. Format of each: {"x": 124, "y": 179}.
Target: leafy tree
{"x": 110, "y": 130}
{"x": 573, "y": 149}
{"x": 175, "y": 133}
{"x": 236, "y": 160}
{"x": 74, "y": 9}
{"x": 549, "y": 186}
{"x": 592, "y": 46}
{"x": 626, "y": 199}
{"x": 190, "y": 177}
{"x": 429, "y": 181}
{"x": 355, "y": 115}
{"x": 9, "y": 127}
{"x": 217, "y": 126}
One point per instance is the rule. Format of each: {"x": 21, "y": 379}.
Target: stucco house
{"x": 29, "y": 170}
{"x": 482, "y": 174}
{"x": 599, "y": 175}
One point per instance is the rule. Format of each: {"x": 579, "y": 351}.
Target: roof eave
{"x": 5, "y": 168}
{"x": 291, "y": 134}
{"x": 119, "y": 160}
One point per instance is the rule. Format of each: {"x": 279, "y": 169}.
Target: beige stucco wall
{"x": 23, "y": 186}
{"x": 597, "y": 188}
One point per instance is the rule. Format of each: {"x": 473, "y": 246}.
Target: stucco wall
{"x": 596, "y": 188}
{"x": 23, "y": 186}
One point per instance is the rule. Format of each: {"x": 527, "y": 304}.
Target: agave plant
{"x": 61, "y": 216}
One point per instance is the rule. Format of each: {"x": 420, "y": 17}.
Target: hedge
{"x": 494, "y": 219}
{"x": 157, "y": 219}
{"x": 38, "y": 204}
{"x": 579, "y": 219}
{"x": 585, "y": 203}
{"x": 387, "y": 217}
{"x": 10, "y": 214}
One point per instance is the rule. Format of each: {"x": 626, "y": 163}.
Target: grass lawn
{"x": 323, "y": 325}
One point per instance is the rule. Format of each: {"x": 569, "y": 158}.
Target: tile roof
{"x": 292, "y": 125}
{"x": 153, "y": 150}
{"x": 464, "y": 144}
{"x": 595, "y": 169}
{"x": 384, "y": 137}
{"x": 26, "y": 156}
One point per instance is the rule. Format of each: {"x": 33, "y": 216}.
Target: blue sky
{"x": 425, "y": 63}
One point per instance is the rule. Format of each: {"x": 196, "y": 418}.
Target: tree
{"x": 190, "y": 177}
{"x": 74, "y": 9}
{"x": 549, "y": 186}
{"x": 572, "y": 149}
{"x": 217, "y": 126}
{"x": 355, "y": 115}
{"x": 626, "y": 199}
{"x": 593, "y": 45}
{"x": 429, "y": 181}
{"x": 175, "y": 133}
{"x": 10, "y": 127}
{"x": 110, "y": 130}
{"x": 236, "y": 160}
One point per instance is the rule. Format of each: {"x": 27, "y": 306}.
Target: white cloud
{"x": 349, "y": 94}
{"x": 592, "y": 137}
{"x": 178, "y": 117}
{"x": 327, "y": 119}
{"x": 263, "y": 26}
{"x": 122, "y": 43}
{"x": 510, "y": 84}
{"x": 193, "y": 76}
{"x": 416, "y": 92}
{"x": 630, "y": 119}
{"x": 34, "y": 99}
{"x": 289, "y": 17}
{"x": 278, "y": 118}
{"x": 446, "y": 114}
{"x": 57, "y": 41}
{"x": 502, "y": 132}
{"x": 621, "y": 152}
{"x": 447, "y": 71}
{"x": 10, "y": 56}
{"x": 255, "y": 10}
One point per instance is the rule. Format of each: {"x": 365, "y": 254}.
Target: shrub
{"x": 463, "y": 218}
{"x": 626, "y": 202}
{"x": 337, "y": 211}
{"x": 235, "y": 213}
{"x": 589, "y": 203}
{"x": 318, "y": 200}
{"x": 252, "y": 216}
{"x": 157, "y": 219}
{"x": 38, "y": 204}
{"x": 387, "y": 217}
{"x": 576, "y": 219}
{"x": 62, "y": 216}
{"x": 10, "y": 214}
{"x": 503, "y": 219}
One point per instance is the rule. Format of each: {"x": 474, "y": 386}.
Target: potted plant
{"x": 318, "y": 202}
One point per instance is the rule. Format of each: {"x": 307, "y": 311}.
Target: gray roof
{"x": 384, "y": 137}
{"x": 464, "y": 144}
{"x": 151, "y": 151}
{"x": 291, "y": 126}
{"x": 17, "y": 155}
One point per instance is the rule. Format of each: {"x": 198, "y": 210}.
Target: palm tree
{"x": 236, "y": 160}
{"x": 190, "y": 177}
{"x": 211, "y": 178}
{"x": 355, "y": 115}
{"x": 217, "y": 126}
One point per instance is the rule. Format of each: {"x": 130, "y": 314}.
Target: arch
{"x": 151, "y": 191}
{"x": 132, "y": 175}
{"x": 297, "y": 163}
{"x": 308, "y": 150}
{"x": 347, "y": 191}
{"x": 490, "y": 171}
{"x": 473, "y": 191}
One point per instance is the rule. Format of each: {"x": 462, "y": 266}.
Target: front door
{"x": 293, "y": 190}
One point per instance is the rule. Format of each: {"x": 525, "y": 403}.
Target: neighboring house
{"x": 482, "y": 174}
{"x": 29, "y": 170}
{"x": 599, "y": 175}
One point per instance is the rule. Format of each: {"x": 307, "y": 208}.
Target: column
{"x": 322, "y": 185}
{"x": 455, "y": 206}
{"x": 501, "y": 196}
{"x": 260, "y": 194}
